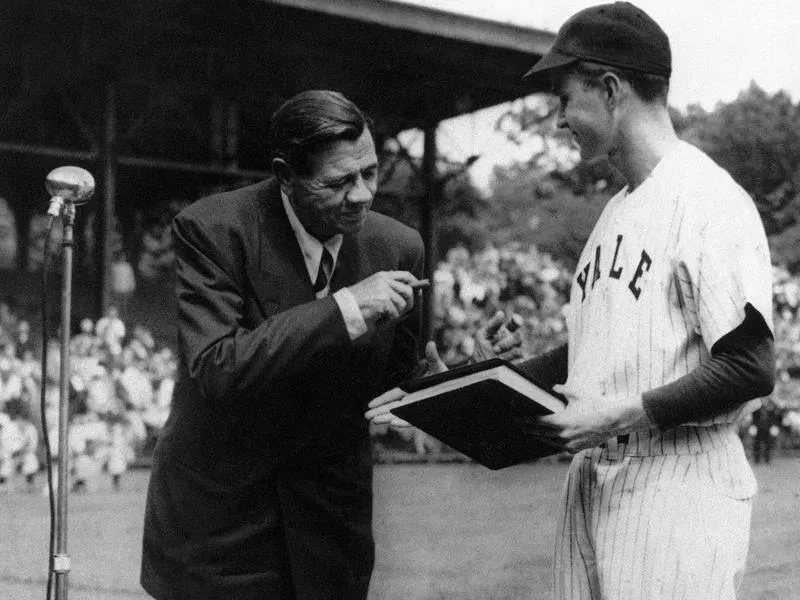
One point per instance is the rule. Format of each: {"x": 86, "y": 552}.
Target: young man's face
{"x": 337, "y": 194}
{"x": 584, "y": 110}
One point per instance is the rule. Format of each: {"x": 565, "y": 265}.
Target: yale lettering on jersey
{"x": 615, "y": 271}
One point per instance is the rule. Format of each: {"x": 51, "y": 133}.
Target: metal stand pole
{"x": 68, "y": 187}
{"x": 61, "y": 560}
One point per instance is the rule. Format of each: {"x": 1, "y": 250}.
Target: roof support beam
{"x": 430, "y": 21}
{"x": 429, "y": 234}
{"x": 105, "y": 213}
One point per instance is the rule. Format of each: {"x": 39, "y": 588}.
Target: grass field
{"x": 443, "y": 532}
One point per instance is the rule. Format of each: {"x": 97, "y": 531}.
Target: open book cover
{"x": 475, "y": 409}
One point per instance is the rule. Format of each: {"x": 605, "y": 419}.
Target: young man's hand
{"x": 498, "y": 339}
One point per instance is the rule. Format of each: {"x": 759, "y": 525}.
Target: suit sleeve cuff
{"x": 353, "y": 319}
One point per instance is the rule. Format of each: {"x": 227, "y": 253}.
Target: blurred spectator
{"x": 8, "y": 320}
{"x": 123, "y": 437}
{"x": 110, "y": 330}
{"x": 135, "y": 385}
{"x": 123, "y": 281}
{"x": 30, "y": 371}
{"x": 86, "y": 342}
{"x": 88, "y": 438}
{"x": 23, "y": 341}
{"x": 10, "y": 444}
{"x": 10, "y": 381}
{"x": 764, "y": 430}
{"x": 163, "y": 367}
{"x": 25, "y": 456}
{"x": 101, "y": 393}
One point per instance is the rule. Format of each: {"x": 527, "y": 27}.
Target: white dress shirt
{"x": 312, "y": 254}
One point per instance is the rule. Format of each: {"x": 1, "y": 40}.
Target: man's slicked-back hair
{"x": 310, "y": 120}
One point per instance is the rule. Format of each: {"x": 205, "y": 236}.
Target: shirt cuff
{"x": 353, "y": 319}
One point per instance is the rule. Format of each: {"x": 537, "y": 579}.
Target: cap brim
{"x": 550, "y": 61}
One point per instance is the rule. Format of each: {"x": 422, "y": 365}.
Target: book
{"x": 477, "y": 409}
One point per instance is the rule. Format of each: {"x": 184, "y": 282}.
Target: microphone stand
{"x": 68, "y": 186}
{"x": 61, "y": 560}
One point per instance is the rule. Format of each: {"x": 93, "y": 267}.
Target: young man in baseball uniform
{"x": 670, "y": 336}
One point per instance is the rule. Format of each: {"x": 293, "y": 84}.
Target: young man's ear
{"x": 281, "y": 170}
{"x": 612, "y": 86}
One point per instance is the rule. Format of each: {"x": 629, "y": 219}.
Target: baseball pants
{"x": 654, "y": 521}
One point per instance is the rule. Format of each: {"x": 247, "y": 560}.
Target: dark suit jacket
{"x": 262, "y": 480}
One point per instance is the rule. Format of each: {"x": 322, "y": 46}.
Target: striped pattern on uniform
{"x": 649, "y": 528}
{"x": 666, "y": 273}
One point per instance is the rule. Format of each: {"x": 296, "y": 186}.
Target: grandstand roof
{"x": 186, "y": 87}
{"x": 406, "y": 65}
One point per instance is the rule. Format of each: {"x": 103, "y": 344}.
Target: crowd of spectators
{"x": 120, "y": 391}
{"x": 470, "y": 288}
{"x": 121, "y": 381}
{"x": 781, "y": 411}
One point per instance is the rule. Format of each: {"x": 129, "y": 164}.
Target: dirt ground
{"x": 443, "y": 532}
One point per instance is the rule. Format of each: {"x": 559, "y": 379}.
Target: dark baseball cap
{"x": 618, "y": 34}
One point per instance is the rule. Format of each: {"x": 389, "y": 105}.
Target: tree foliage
{"x": 757, "y": 139}
{"x": 551, "y": 200}
{"x": 459, "y": 216}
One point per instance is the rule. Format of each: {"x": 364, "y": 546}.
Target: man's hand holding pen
{"x": 387, "y": 295}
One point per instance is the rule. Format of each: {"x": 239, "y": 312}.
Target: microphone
{"x": 68, "y": 187}
{"x": 72, "y": 185}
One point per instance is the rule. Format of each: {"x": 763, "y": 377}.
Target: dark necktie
{"x": 325, "y": 267}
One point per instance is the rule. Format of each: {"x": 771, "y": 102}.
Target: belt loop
{"x": 612, "y": 448}
{"x": 615, "y": 447}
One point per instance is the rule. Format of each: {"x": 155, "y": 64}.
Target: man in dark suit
{"x": 294, "y": 309}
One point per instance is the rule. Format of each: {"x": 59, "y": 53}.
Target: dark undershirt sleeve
{"x": 742, "y": 367}
{"x": 550, "y": 367}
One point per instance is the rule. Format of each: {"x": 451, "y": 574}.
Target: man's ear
{"x": 282, "y": 171}
{"x": 612, "y": 88}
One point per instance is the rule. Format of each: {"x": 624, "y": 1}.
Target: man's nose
{"x": 360, "y": 192}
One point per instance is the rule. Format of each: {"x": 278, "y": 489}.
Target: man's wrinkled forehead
{"x": 343, "y": 155}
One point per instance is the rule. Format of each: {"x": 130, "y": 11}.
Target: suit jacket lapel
{"x": 279, "y": 277}
{"x": 351, "y": 264}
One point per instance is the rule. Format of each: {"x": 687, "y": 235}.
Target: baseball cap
{"x": 617, "y": 34}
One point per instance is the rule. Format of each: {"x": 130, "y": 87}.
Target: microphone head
{"x": 73, "y": 184}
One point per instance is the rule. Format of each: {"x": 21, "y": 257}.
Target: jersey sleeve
{"x": 725, "y": 266}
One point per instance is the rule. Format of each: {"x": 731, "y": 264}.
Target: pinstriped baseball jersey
{"x": 666, "y": 273}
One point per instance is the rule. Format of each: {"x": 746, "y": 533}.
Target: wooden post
{"x": 428, "y": 226}
{"x": 105, "y": 211}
